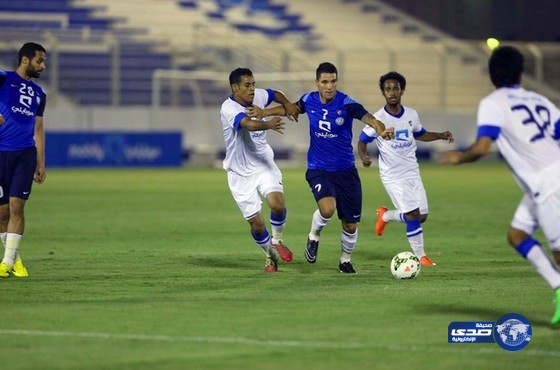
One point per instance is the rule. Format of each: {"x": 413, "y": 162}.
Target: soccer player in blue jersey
{"x": 22, "y": 149}
{"x": 398, "y": 166}
{"x": 331, "y": 171}
{"x": 526, "y": 128}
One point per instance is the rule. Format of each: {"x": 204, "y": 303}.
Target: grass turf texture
{"x": 155, "y": 269}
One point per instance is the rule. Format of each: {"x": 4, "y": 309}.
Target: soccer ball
{"x": 405, "y": 265}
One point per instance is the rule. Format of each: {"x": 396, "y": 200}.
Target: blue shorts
{"x": 345, "y": 186}
{"x": 17, "y": 170}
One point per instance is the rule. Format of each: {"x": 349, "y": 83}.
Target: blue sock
{"x": 525, "y": 246}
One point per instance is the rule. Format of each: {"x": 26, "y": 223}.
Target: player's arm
{"x": 39, "y": 137}
{"x": 477, "y": 150}
{"x": 274, "y": 124}
{"x": 362, "y": 152}
{"x": 379, "y": 127}
{"x": 433, "y": 136}
{"x": 286, "y": 108}
{"x": 2, "y": 80}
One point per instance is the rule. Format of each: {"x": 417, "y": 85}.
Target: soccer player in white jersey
{"x": 526, "y": 129}
{"x": 250, "y": 165}
{"x": 398, "y": 166}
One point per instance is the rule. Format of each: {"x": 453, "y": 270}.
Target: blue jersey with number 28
{"x": 21, "y": 101}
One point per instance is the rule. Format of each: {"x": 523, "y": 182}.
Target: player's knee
{"x": 413, "y": 215}
{"x": 516, "y": 236}
{"x": 423, "y": 218}
{"x": 556, "y": 255}
{"x": 349, "y": 228}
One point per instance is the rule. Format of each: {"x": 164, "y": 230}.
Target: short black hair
{"x": 325, "y": 67}
{"x": 236, "y": 74}
{"x": 505, "y": 66}
{"x": 28, "y": 50}
{"x": 392, "y": 76}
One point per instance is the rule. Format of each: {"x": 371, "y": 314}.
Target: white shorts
{"x": 247, "y": 190}
{"x": 546, "y": 214}
{"x": 408, "y": 194}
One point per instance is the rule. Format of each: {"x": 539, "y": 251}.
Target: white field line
{"x": 450, "y": 348}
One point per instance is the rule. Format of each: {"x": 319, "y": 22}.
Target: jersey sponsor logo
{"x": 325, "y": 125}
{"x": 401, "y": 145}
{"x": 23, "y": 111}
{"x": 257, "y": 134}
{"x": 326, "y": 135}
{"x": 401, "y": 135}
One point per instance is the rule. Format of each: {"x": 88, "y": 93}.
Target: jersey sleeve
{"x": 301, "y": 102}
{"x": 270, "y": 98}
{"x": 368, "y": 134}
{"x": 42, "y": 105}
{"x": 489, "y": 119}
{"x": 354, "y": 108}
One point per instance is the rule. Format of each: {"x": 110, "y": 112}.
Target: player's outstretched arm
{"x": 386, "y": 133}
{"x": 479, "y": 149}
{"x": 274, "y": 124}
{"x": 433, "y": 136}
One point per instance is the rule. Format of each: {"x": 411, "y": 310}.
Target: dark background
{"x": 512, "y": 20}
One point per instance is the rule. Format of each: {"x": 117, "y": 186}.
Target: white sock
{"x": 417, "y": 244}
{"x": 393, "y": 215}
{"x": 318, "y": 223}
{"x": 12, "y": 245}
{"x": 544, "y": 266}
{"x": 348, "y": 243}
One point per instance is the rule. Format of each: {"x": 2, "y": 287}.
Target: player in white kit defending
{"x": 526, "y": 128}
{"x": 250, "y": 165}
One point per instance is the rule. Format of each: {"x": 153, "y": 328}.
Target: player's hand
{"x": 292, "y": 111}
{"x": 388, "y": 134}
{"x": 446, "y": 135}
{"x": 277, "y": 125}
{"x": 40, "y": 175}
{"x": 254, "y": 112}
{"x": 451, "y": 157}
{"x": 366, "y": 160}
{"x": 2, "y": 120}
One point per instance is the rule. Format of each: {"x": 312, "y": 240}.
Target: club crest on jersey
{"x": 410, "y": 123}
{"x": 339, "y": 121}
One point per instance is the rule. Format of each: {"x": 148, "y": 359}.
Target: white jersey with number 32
{"x": 525, "y": 124}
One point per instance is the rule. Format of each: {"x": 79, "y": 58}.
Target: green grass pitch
{"x": 155, "y": 269}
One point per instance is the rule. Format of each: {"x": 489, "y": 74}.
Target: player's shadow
{"x": 221, "y": 262}
{"x": 479, "y": 313}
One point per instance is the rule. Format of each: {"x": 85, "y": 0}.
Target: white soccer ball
{"x": 405, "y": 265}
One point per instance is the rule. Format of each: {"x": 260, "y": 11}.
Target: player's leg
{"x": 386, "y": 215}
{"x": 270, "y": 186}
{"x": 22, "y": 172}
{"x": 419, "y": 199}
{"x": 526, "y": 219}
{"x": 246, "y": 195}
{"x": 349, "y": 208}
{"x": 321, "y": 187}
